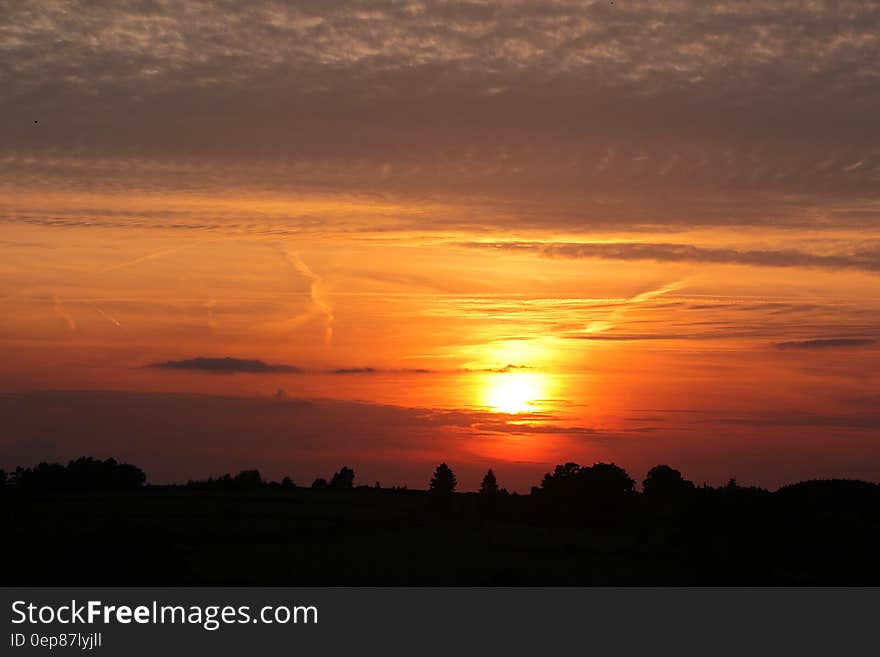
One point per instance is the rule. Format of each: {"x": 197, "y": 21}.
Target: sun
{"x": 514, "y": 392}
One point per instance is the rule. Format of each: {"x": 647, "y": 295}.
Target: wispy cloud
{"x": 826, "y": 343}
{"x": 59, "y": 309}
{"x": 379, "y": 370}
{"x": 316, "y": 291}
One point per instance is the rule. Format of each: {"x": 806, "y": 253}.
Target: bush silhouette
{"x": 489, "y": 485}
{"x": 287, "y": 482}
{"x": 443, "y": 482}
{"x": 343, "y": 479}
{"x": 319, "y": 483}
{"x": 664, "y": 482}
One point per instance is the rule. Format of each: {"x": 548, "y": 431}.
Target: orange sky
{"x": 501, "y": 237}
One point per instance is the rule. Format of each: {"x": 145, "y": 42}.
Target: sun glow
{"x": 514, "y": 392}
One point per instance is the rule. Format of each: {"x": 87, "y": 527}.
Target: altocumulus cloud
{"x": 722, "y": 112}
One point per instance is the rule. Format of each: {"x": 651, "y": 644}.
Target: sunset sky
{"x": 301, "y": 235}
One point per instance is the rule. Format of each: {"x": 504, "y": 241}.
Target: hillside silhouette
{"x": 97, "y": 522}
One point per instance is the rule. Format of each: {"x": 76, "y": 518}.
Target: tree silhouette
{"x": 320, "y": 482}
{"x": 600, "y": 481}
{"x": 443, "y": 482}
{"x": 248, "y": 480}
{"x": 85, "y": 473}
{"x": 489, "y": 485}
{"x": 665, "y": 482}
{"x": 607, "y": 480}
{"x": 2, "y": 478}
{"x": 287, "y": 482}
{"x": 343, "y": 479}
{"x": 564, "y": 482}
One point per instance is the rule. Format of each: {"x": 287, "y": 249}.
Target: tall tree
{"x": 443, "y": 482}
{"x": 489, "y": 486}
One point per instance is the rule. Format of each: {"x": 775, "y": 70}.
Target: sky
{"x": 301, "y": 235}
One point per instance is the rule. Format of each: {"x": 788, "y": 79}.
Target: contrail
{"x": 121, "y": 265}
{"x": 315, "y": 290}
{"x": 109, "y": 318}
{"x": 63, "y": 314}
{"x": 614, "y": 316}
{"x": 660, "y": 291}
{"x": 149, "y": 256}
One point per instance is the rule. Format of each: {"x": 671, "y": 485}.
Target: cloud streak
{"x": 316, "y": 291}
{"x": 826, "y": 343}
{"x": 59, "y": 310}
{"x": 863, "y": 258}
{"x": 225, "y": 365}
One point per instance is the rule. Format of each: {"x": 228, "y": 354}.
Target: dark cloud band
{"x": 866, "y": 259}
{"x": 224, "y": 365}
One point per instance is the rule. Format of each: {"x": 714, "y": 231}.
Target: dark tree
{"x": 320, "y": 482}
{"x": 248, "y": 480}
{"x": 287, "y": 482}
{"x": 564, "y": 482}
{"x": 443, "y": 482}
{"x": 2, "y": 478}
{"x": 45, "y": 476}
{"x": 87, "y": 473}
{"x": 606, "y": 480}
{"x": 600, "y": 480}
{"x": 343, "y": 479}
{"x": 489, "y": 486}
{"x": 84, "y": 473}
{"x": 665, "y": 482}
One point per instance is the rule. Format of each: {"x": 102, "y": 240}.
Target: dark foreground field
{"x": 810, "y": 533}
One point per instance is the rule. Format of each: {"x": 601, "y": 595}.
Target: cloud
{"x": 865, "y": 258}
{"x": 376, "y": 370}
{"x": 355, "y": 370}
{"x": 719, "y": 113}
{"x": 519, "y": 428}
{"x": 233, "y": 365}
{"x": 107, "y": 316}
{"x": 226, "y": 365}
{"x": 316, "y": 291}
{"x": 803, "y": 419}
{"x": 825, "y": 343}
{"x": 626, "y": 337}
{"x": 59, "y": 310}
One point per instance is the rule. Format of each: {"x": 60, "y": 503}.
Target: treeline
{"x": 567, "y": 487}
{"x": 85, "y": 473}
{"x": 568, "y": 481}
